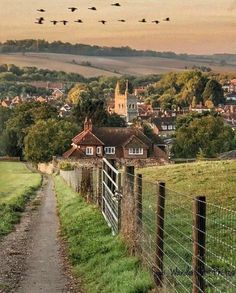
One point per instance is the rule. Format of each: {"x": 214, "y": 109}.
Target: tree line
{"x": 33, "y": 45}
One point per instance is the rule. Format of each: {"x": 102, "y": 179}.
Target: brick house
{"x": 112, "y": 143}
{"x": 164, "y": 126}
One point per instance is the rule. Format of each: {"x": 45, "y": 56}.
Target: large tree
{"x": 213, "y": 92}
{"x": 22, "y": 118}
{"x": 46, "y": 139}
{"x": 5, "y": 115}
{"x": 207, "y": 135}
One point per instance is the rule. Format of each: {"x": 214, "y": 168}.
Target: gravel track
{"x": 31, "y": 257}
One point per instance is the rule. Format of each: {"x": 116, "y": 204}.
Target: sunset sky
{"x": 197, "y": 26}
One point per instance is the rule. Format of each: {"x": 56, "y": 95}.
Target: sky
{"x": 196, "y": 26}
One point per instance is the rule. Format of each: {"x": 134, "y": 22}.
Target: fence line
{"x": 187, "y": 243}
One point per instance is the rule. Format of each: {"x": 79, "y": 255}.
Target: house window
{"x": 110, "y": 150}
{"x": 135, "y": 151}
{"x": 170, "y": 127}
{"x": 164, "y": 127}
{"x": 99, "y": 150}
{"x": 89, "y": 151}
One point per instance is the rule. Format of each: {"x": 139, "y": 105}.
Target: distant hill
{"x": 31, "y": 45}
{"x": 93, "y": 66}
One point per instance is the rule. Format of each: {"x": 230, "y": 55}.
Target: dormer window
{"x": 136, "y": 151}
{"x": 110, "y": 150}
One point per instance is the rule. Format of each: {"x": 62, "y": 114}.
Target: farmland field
{"x": 17, "y": 184}
{"x": 107, "y": 66}
{"x": 215, "y": 180}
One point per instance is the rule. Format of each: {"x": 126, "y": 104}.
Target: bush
{"x": 66, "y": 166}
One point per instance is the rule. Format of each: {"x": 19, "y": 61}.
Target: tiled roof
{"x": 73, "y": 152}
{"x": 118, "y": 136}
{"x": 87, "y": 138}
{"x": 164, "y": 121}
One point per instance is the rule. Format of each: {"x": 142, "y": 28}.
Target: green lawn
{"x": 17, "y": 184}
{"x": 215, "y": 180}
{"x": 99, "y": 259}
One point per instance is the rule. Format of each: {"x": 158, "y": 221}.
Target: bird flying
{"x": 102, "y": 21}
{"x": 40, "y": 21}
{"x": 79, "y": 21}
{"x": 92, "y": 8}
{"x": 54, "y": 22}
{"x": 121, "y": 20}
{"x": 41, "y": 10}
{"x": 143, "y": 20}
{"x": 64, "y": 22}
{"x": 116, "y": 4}
{"x": 166, "y": 19}
{"x": 156, "y": 21}
{"x": 73, "y": 9}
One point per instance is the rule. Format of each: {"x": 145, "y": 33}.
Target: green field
{"x": 215, "y": 180}
{"x": 17, "y": 184}
{"x": 99, "y": 259}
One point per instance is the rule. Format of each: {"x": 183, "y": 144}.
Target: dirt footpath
{"x": 30, "y": 257}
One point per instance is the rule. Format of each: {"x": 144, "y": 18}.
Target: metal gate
{"x": 111, "y": 194}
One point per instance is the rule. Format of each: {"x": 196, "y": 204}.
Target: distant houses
{"x": 163, "y": 126}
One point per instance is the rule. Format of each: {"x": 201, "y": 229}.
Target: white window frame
{"x": 110, "y": 150}
{"x": 170, "y": 127}
{"x": 89, "y": 151}
{"x": 164, "y": 127}
{"x": 136, "y": 151}
{"x": 99, "y": 150}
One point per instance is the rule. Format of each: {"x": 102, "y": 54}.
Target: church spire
{"x": 117, "y": 90}
{"x": 127, "y": 87}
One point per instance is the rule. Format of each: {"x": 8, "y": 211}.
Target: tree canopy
{"x": 46, "y": 139}
{"x": 206, "y": 134}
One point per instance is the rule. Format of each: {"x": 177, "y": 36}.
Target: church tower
{"x": 125, "y": 104}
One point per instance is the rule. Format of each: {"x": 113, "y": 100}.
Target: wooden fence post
{"x": 138, "y": 208}
{"x": 99, "y": 186}
{"x": 128, "y": 208}
{"x": 199, "y": 243}
{"x": 158, "y": 273}
{"x": 120, "y": 191}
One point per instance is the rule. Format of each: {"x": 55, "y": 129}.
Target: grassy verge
{"x": 215, "y": 180}
{"x": 17, "y": 185}
{"x": 98, "y": 258}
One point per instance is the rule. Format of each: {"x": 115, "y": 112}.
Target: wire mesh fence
{"x": 187, "y": 243}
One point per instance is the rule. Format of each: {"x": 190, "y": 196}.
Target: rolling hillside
{"x": 107, "y": 66}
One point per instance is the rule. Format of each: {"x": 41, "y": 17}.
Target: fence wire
{"x": 176, "y": 257}
{"x": 168, "y": 250}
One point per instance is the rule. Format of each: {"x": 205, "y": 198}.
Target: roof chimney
{"x": 88, "y": 125}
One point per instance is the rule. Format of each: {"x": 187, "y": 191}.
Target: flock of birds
{"x": 41, "y": 20}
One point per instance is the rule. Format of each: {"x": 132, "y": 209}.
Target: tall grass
{"x": 215, "y": 180}
{"x": 17, "y": 185}
{"x": 99, "y": 259}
